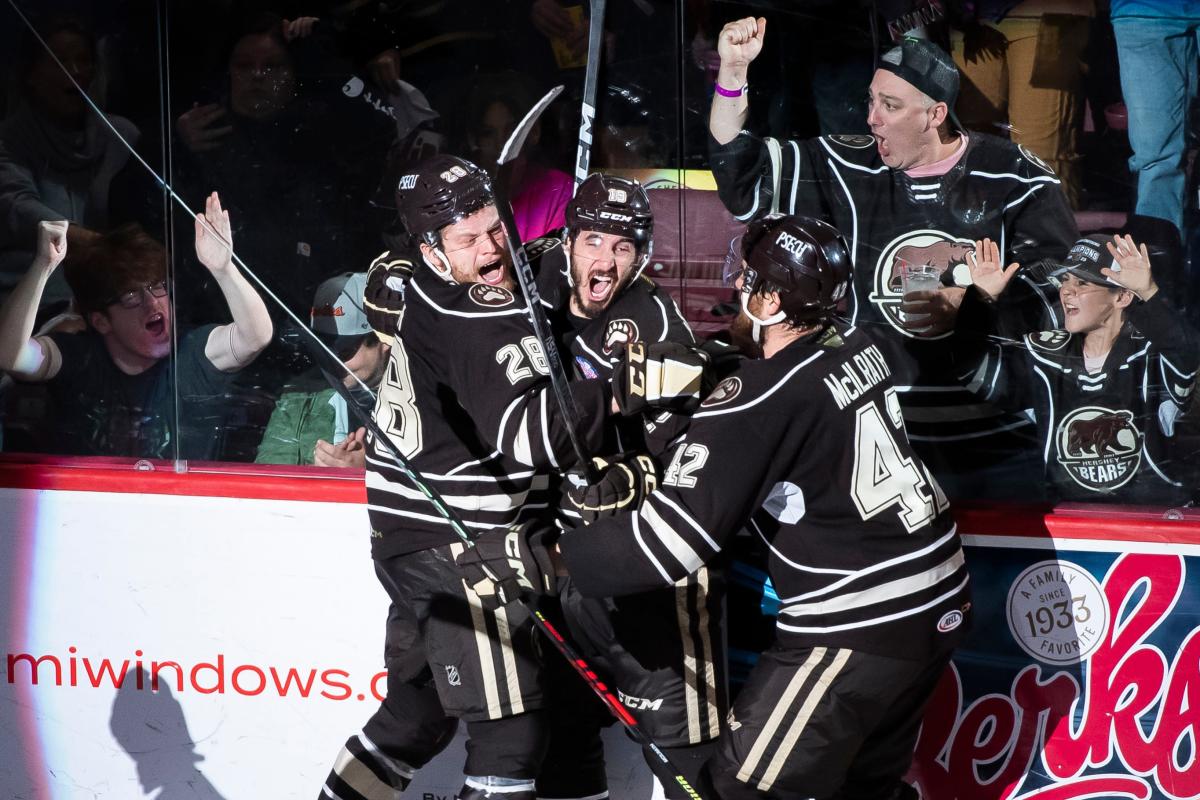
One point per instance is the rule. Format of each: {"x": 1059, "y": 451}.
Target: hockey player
{"x": 806, "y": 447}
{"x": 1107, "y": 388}
{"x": 919, "y": 191}
{"x": 466, "y": 399}
{"x": 663, "y": 649}
{"x": 600, "y": 295}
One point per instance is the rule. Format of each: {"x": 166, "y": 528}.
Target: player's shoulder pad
{"x": 1048, "y": 341}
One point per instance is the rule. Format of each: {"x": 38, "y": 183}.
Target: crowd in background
{"x": 301, "y": 115}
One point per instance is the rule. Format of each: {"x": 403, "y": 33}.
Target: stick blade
{"x": 512, "y": 148}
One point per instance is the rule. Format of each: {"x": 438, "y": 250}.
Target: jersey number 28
{"x": 396, "y": 409}
{"x": 883, "y": 477}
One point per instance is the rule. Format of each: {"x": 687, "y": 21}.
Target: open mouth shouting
{"x": 156, "y": 325}
{"x": 492, "y": 274}
{"x": 600, "y": 285}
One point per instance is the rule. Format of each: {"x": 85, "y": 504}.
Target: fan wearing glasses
{"x": 113, "y": 386}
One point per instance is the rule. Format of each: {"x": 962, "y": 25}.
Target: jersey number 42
{"x": 883, "y": 477}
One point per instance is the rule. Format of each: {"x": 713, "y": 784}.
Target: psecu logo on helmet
{"x": 928, "y": 247}
{"x": 1100, "y": 448}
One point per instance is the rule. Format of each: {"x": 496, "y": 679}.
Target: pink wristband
{"x": 721, "y": 90}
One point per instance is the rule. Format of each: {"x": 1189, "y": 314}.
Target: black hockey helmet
{"x": 804, "y": 259}
{"x": 442, "y": 190}
{"x": 614, "y": 205}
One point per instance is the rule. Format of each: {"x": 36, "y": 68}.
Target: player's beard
{"x": 741, "y": 332}
{"x": 579, "y": 290}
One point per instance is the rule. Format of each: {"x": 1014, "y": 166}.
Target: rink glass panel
{"x": 304, "y": 146}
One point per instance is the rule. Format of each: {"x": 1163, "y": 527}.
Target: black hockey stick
{"x": 670, "y": 771}
{"x": 667, "y": 771}
{"x": 587, "y": 117}
{"x": 533, "y": 300}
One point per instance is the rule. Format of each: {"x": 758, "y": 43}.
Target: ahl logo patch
{"x": 490, "y": 296}
{"x": 930, "y": 247}
{"x": 725, "y": 391}
{"x": 1049, "y": 340}
{"x": 619, "y": 333}
{"x": 1099, "y": 448}
{"x": 949, "y": 621}
{"x": 856, "y": 141}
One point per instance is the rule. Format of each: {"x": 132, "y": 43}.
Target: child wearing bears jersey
{"x": 1107, "y": 389}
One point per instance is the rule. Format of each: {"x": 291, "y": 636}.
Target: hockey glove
{"x": 624, "y": 482}
{"x": 659, "y": 375}
{"x": 383, "y": 299}
{"x": 518, "y": 560}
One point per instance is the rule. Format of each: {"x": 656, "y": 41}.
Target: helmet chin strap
{"x": 570, "y": 271}
{"x": 646, "y": 256}
{"x": 444, "y": 272}
{"x": 757, "y": 329}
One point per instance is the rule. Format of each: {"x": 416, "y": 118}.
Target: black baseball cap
{"x": 927, "y": 67}
{"x": 1087, "y": 257}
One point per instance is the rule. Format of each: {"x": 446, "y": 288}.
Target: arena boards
{"x": 248, "y": 596}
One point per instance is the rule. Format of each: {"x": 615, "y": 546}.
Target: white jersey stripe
{"x": 522, "y": 450}
{"x": 892, "y": 590}
{"x": 659, "y": 496}
{"x": 676, "y": 544}
{"x": 468, "y": 502}
{"x": 908, "y": 612}
{"x": 510, "y": 312}
{"x": 637, "y": 534}
{"x": 546, "y": 436}
{"x": 882, "y": 565}
{"x": 764, "y": 395}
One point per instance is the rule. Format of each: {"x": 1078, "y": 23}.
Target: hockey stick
{"x": 669, "y": 771}
{"x": 606, "y": 695}
{"x": 533, "y": 300}
{"x": 587, "y": 117}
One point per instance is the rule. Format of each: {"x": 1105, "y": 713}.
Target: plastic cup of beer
{"x": 918, "y": 278}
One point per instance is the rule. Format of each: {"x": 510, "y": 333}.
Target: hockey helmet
{"x": 614, "y": 205}
{"x": 804, "y": 259}
{"x": 441, "y": 191}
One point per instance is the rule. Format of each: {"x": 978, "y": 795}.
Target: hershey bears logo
{"x": 856, "y": 141}
{"x": 932, "y": 247}
{"x": 1099, "y": 448}
{"x": 490, "y": 296}
{"x": 725, "y": 391}
{"x": 618, "y": 333}
{"x": 1049, "y": 340}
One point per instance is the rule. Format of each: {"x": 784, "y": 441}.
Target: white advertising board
{"x": 199, "y": 647}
